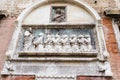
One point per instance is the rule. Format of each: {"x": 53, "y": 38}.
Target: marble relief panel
{"x": 72, "y": 40}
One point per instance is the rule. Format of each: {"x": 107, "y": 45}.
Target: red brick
{"x": 112, "y": 47}
{"x": 93, "y": 78}
{"x": 18, "y": 78}
{"x": 6, "y": 30}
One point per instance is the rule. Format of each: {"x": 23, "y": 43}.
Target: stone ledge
{"x": 46, "y": 68}
{"x": 112, "y": 13}
{"x": 62, "y": 54}
{"x": 60, "y": 25}
{"x": 51, "y": 59}
{"x": 31, "y": 74}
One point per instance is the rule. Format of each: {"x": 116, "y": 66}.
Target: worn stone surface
{"x": 75, "y": 15}
{"x": 6, "y": 30}
{"x": 18, "y": 5}
{"x": 55, "y": 68}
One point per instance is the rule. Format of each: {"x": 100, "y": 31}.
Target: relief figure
{"x": 56, "y": 43}
{"x": 87, "y": 41}
{"x": 48, "y": 43}
{"x": 81, "y": 43}
{"x": 28, "y": 39}
{"x": 65, "y": 44}
{"x": 59, "y": 15}
{"x": 39, "y": 42}
{"x": 73, "y": 43}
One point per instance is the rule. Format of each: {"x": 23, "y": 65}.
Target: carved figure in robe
{"x": 87, "y": 41}
{"x": 59, "y": 15}
{"x": 80, "y": 41}
{"x": 65, "y": 44}
{"x": 39, "y": 42}
{"x": 56, "y": 43}
{"x": 73, "y": 43}
{"x": 28, "y": 39}
{"x": 48, "y": 43}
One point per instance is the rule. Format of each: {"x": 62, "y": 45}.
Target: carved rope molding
{"x": 59, "y": 77}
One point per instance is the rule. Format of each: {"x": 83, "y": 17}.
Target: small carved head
{"x": 65, "y": 36}
{"x": 73, "y": 36}
{"x": 57, "y": 36}
{"x": 40, "y": 34}
{"x": 27, "y": 33}
{"x": 49, "y": 36}
{"x": 87, "y": 36}
{"x": 80, "y": 36}
{"x": 58, "y": 11}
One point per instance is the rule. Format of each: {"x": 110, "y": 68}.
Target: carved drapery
{"x": 59, "y": 40}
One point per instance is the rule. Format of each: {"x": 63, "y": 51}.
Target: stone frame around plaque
{"x": 13, "y": 52}
{"x": 116, "y": 28}
{"x": 77, "y": 48}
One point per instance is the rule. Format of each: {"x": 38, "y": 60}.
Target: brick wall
{"x": 6, "y": 30}
{"x": 18, "y": 78}
{"x": 112, "y": 47}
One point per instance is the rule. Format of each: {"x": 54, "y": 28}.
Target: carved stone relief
{"x": 8, "y": 67}
{"x": 105, "y": 68}
{"x": 59, "y": 40}
{"x": 58, "y": 14}
{"x": 28, "y": 40}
